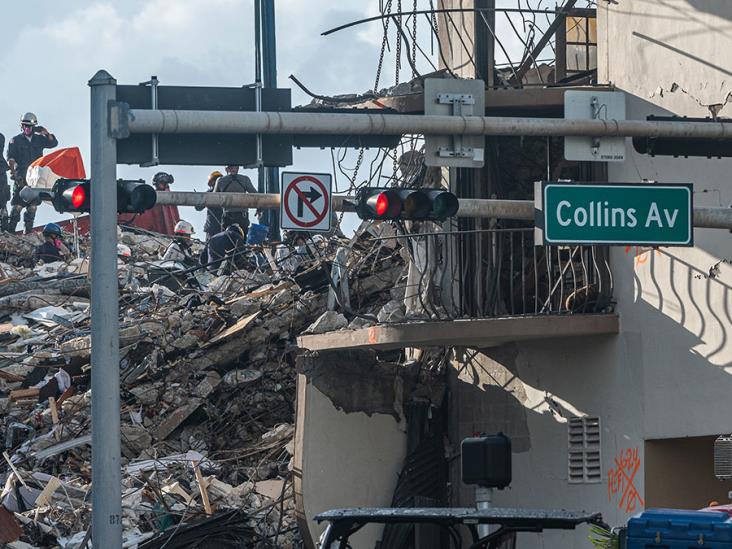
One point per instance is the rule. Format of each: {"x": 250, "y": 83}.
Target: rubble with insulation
{"x": 207, "y": 386}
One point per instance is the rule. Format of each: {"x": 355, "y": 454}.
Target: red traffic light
{"x": 78, "y": 196}
{"x": 380, "y": 203}
{"x": 406, "y": 204}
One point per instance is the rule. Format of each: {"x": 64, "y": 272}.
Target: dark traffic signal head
{"x": 135, "y": 196}
{"x": 74, "y": 195}
{"x": 405, "y": 204}
{"x": 71, "y": 195}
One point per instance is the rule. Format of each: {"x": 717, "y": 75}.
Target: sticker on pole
{"x": 305, "y": 201}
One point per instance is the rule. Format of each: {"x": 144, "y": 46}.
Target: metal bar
{"x": 543, "y": 41}
{"x": 484, "y": 43}
{"x": 170, "y": 121}
{"x": 269, "y": 65}
{"x": 258, "y": 81}
{"x": 708, "y": 218}
{"x": 106, "y": 463}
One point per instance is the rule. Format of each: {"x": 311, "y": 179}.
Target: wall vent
{"x": 584, "y": 458}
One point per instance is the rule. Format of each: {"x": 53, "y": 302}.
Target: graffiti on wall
{"x": 621, "y": 481}
{"x": 641, "y": 253}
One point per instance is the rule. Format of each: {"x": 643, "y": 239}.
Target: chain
{"x": 414, "y": 41}
{"x": 383, "y": 48}
{"x": 359, "y": 161}
{"x": 398, "y": 42}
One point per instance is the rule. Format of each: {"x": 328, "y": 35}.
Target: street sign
{"x": 305, "y": 201}
{"x": 201, "y": 149}
{"x": 647, "y": 214}
{"x": 593, "y": 105}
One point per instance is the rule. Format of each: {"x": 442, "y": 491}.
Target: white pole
{"x": 707, "y": 218}
{"x": 169, "y": 121}
{"x": 106, "y": 461}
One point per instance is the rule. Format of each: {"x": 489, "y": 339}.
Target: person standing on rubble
{"x": 180, "y": 249}
{"x": 23, "y": 149}
{"x": 4, "y": 187}
{"x": 222, "y": 251}
{"x": 53, "y": 247}
{"x": 214, "y": 214}
{"x": 234, "y": 182}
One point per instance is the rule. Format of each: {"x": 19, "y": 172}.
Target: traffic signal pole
{"x": 522, "y": 210}
{"x": 105, "y": 425}
{"x": 169, "y": 121}
{"x": 269, "y": 65}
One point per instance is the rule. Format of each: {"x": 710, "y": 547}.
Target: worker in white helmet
{"x": 180, "y": 249}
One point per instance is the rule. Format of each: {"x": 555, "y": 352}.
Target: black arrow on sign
{"x": 312, "y": 195}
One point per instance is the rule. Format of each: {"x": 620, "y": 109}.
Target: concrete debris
{"x": 207, "y": 373}
{"x": 329, "y": 321}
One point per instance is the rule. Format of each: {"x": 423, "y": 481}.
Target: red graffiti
{"x": 640, "y": 253}
{"x": 621, "y": 480}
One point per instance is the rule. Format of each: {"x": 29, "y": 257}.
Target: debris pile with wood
{"x": 207, "y": 386}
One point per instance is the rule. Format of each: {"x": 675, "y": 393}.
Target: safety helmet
{"x": 235, "y": 228}
{"x": 215, "y": 173}
{"x": 123, "y": 250}
{"x": 29, "y": 119}
{"x": 52, "y": 228}
{"x": 163, "y": 177}
{"x": 183, "y": 228}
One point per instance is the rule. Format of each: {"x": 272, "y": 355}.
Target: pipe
{"x": 106, "y": 461}
{"x": 169, "y": 121}
{"x": 523, "y": 210}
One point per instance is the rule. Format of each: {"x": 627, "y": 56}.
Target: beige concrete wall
{"x": 669, "y": 372}
{"x": 344, "y": 460}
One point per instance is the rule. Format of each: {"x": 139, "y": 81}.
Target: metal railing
{"x": 517, "y": 278}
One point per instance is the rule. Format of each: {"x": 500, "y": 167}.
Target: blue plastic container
{"x": 257, "y": 233}
{"x": 679, "y": 529}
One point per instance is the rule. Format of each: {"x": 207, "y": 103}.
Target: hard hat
{"x": 52, "y": 228}
{"x": 183, "y": 228}
{"x": 235, "y": 228}
{"x": 163, "y": 177}
{"x": 215, "y": 173}
{"x": 29, "y": 119}
{"x": 124, "y": 250}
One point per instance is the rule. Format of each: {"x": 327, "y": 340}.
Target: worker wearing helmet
{"x": 53, "y": 247}
{"x": 180, "y": 249}
{"x": 214, "y": 214}
{"x": 162, "y": 181}
{"x": 234, "y": 182}
{"x": 23, "y": 149}
{"x": 223, "y": 251}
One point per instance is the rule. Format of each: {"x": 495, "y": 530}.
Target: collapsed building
{"x": 208, "y": 388}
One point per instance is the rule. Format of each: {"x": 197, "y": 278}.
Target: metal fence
{"x": 515, "y": 277}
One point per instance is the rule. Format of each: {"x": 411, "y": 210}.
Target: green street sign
{"x": 632, "y": 213}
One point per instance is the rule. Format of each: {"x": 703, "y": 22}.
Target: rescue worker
{"x": 214, "y": 214}
{"x": 224, "y": 248}
{"x": 180, "y": 249}
{"x": 4, "y": 187}
{"x": 234, "y": 182}
{"x": 160, "y": 218}
{"x": 53, "y": 247}
{"x": 23, "y": 149}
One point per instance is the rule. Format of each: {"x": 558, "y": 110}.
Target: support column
{"x": 106, "y": 472}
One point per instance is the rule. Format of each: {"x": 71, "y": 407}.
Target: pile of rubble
{"x": 207, "y": 386}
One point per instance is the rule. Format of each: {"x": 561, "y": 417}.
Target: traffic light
{"x": 74, "y": 195}
{"x": 405, "y": 204}
{"x": 135, "y": 196}
{"x": 682, "y": 146}
{"x": 71, "y": 195}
